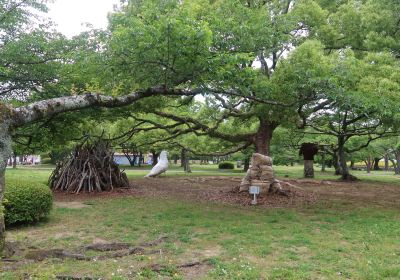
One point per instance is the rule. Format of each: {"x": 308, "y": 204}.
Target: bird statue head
{"x": 164, "y": 155}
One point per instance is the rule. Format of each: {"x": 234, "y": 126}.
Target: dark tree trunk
{"x": 186, "y": 163}
{"x": 140, "y": 159}
{"x": 262, "y": 139}
{"x": 155, "y": 158}
{"x": 5, "y": 153}
{"x": 323, "y": 163}
{"x": 397, "y": 169}
{"x": 335, "y": 163}
{"x": 183, "y": 158}
{"x": 175, "y": 159}
{"x": 386, "y": 157}
{"x": 376, "y": 163}
{"x": 14, "y": 163}
{"x": 352, "y": 165}
{"x": 346, "y": 176}
{"x": 246, "y": 164}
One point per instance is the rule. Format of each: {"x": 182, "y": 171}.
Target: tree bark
{"x": 5, "y": 153}
{"x": 155, "y": 158}
{"x": 335, "y": 163}
{"x": 346, "y": 176}
{"x": 183, "y": 158}
{"x": 386, "y": 157}
{"x": 186, "y": 163}
{"x": 246, "y": 163}
{"x": 14, "y": 163}
{"x": 397, "y": 169}
{"x": 308, "y": 169}
{"x": 376, "y": 163}
{"x": 368, "y": 164}
{"x": 262, "y": 139}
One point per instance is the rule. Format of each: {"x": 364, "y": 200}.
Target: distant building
{"x": 25, "y": 160}
{"x": 121, "y": 159}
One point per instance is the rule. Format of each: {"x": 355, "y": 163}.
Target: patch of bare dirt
{"x": 221, "y": 189}
{"x": 217, "y": 189}
{"x": 70, "y": 204}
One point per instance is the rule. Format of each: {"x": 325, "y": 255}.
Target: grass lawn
{"x": 329, "y": 240}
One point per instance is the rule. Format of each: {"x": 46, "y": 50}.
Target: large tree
{"x": 239, "y": 45}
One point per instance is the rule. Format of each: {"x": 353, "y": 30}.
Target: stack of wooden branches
{"x": 89, "y": 168}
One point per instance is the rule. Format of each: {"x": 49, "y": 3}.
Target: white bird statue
{"x": 161, "y": 166}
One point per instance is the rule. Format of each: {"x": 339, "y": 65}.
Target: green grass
{"x": 291, "y": 172}
{"x": 331, "y": 241}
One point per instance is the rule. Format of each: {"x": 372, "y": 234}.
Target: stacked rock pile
{"x": 260, "y": 173}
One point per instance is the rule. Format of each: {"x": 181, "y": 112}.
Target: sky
{"x": 71, "y": 15}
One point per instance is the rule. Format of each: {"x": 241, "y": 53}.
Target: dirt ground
{"x": 221, "y": 189}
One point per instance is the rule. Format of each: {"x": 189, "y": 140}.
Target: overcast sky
{"x": 69, "y": 15}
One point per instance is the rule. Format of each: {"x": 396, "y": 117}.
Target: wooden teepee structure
{"x": 89, "y": 168}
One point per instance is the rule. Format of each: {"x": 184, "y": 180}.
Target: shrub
{"x": 26, "y": 202}
{"x": 226, "y": 165}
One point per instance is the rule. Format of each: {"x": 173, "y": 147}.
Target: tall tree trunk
{"x": 308, "y": 169}
{"x": 5, "y": 153}
{"x": 368, "y": 164}
{"x": 386, "y": 157}
{"x": 155, "y": 158}
{"x": 397, "y": 169}
{"x": 140, "y": 159}
{"x": 175, "y": 159}
{"x": 323, "y": 161}
{"x": 183, "y": 158}
{"x": 335, "y": 163}
{"x": 262, "y": 139}
{"x": 14, "y": 163}
{"x": 376, "y": 163}
{"x": 352, "y": 165}
{"x": 246, "y": 163}
{"x": 342, "y": 159}
{"x": 186, "y": 164}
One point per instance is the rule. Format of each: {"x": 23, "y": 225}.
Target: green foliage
{"x": 26, "y": 202}
{"x": 226, "y": 165}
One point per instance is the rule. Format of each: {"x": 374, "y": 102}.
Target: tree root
{"x": 349, "y": 178}
{"x": 155, "y": 242}
{"x": 158, "y": 267}
{"x": 122, "y": 250}
{"x": 104, "y": 247}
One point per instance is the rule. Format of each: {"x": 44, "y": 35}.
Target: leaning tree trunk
{"x": 346, "y": 176}
{"x": 335, "y": 163}
{"x": 5, "y": 153}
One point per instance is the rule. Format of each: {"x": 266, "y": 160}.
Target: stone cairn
{"x": 260, "y": 173}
